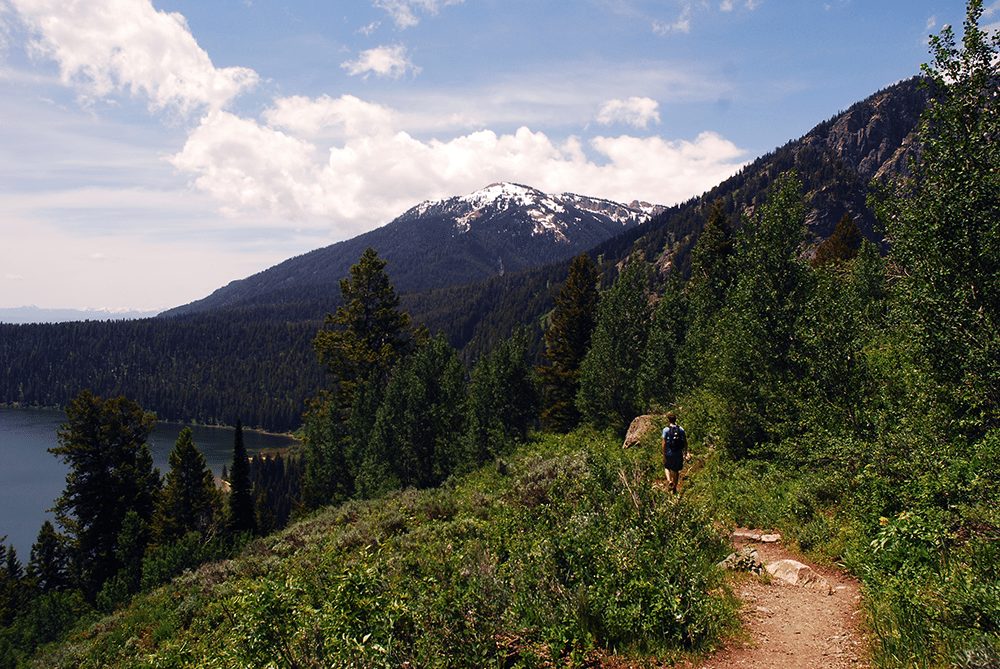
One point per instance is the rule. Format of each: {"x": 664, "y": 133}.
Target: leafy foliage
{"x": 609, "y": 395}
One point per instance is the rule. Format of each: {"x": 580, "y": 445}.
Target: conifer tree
{"x": 841, "y": 245}
{"x": 110, "y": 474}
{"x": 567, "y": 340}
{"x": 366, "y": 337}
{"x": 241, "y": 508}
{"x": 48, "y": 565}
{"x": 418, "y": 428}
{"x": 188, "y": 499}
{"x": 609, "y": 393}
{"x": 707, "y": 288}
{"x": 12, "y": 590}
{"x": 503, "y": 402}
{"x": 658, "y": 374}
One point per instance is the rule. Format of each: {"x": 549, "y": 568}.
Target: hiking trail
{"x": 793, "y": 626}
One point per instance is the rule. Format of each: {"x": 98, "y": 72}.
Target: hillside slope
{"x": 563, "y": 555}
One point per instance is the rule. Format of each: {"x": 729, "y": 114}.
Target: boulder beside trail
{"x": 793, "y": 572}
{"x": 640, "y": 427}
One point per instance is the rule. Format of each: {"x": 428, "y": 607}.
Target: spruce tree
{"x": 609, "y": 392}
{"x": 419, "y": 425}
{"x": 503, "y": 402}
{"x": 48, "y": 565}
{"x": 362, "y": 342}
{"x": 240, "y": 507}
{"x": 110, "y": 474}
{"x": 658, "y": 374}
{"x": 567, "y": 339}
{"x": 709, "y": 284}
{"x": 750, "y": 367}
{"x": 188, "y": 500}
{"x": 841, "y": 245}
{"x": 12, "y": 590}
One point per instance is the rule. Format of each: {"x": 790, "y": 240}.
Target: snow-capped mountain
{"x": 557, "y": 216}
{"x": 503, "y": 227}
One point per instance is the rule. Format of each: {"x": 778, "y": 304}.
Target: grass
{"x": 561, "y": 554}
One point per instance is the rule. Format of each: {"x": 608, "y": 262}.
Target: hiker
{"x": 674, "y": 451}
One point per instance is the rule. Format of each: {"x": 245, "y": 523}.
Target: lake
{"x": 31, "y": 478}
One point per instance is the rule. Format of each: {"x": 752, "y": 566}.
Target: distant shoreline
{"x": 221, "y": 426}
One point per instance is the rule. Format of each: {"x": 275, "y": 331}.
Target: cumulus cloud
{"x": 634, "y": 111}
{"x": 368, "y": 178}
{"x": 383, "y": 61}
{"x": 127, "y": 45}
{"x": 346, "y": 116}
{"x": 404, "y": 13}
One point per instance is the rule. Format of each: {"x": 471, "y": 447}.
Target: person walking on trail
{"x": 674, "y": 451}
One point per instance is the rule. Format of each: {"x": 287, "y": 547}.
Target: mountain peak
{"x": 513, "y": 206}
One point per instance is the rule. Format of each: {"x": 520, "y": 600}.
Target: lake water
{"x": 31, "y": 478}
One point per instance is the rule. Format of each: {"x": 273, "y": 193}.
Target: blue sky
{"x": 151, "y": 152}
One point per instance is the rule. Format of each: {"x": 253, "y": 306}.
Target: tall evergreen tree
{"x": 609, "y": 394}
{"x": 840, "y": 246}
{"x": 658, "y": 373}
{"x": 707, "y": 288}
{"x": 567, "y": 340}
{"x": 503, "y": 401}
{"x": 48, "y": 565}
{"x": 110, "y": 474}
{"x": 12, "y": 591}
{"x": 240, "y": 507}
{"x": 188, "y": 501}
{"x": 367, "y": 336}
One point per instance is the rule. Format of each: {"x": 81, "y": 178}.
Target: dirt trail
{"x": 793, "y": 627}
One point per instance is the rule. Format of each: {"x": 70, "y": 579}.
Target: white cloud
{"x": 383, "y": 61}
{"x": 753, "y": 4}
{"x": 369, "y": 29}
{"x": 931, "y": 23}
{"x": 127, "y": 45}
{"x": 346, "y": 116}
{"x": 404, "y": 12}
{"x": 635, "y": 111}
{"x": 370, "y": 178}
{"x": 681, "y": 25}
{"x": 726, "y": 5}
{"x": 992, "y": 9}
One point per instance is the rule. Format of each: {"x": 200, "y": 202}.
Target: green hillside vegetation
{"x": 561, "y": 553}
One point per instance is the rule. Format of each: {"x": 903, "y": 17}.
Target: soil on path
{"x": 794, "y": 627}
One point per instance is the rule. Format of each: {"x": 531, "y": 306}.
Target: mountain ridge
{"x": 437, "y": 243}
